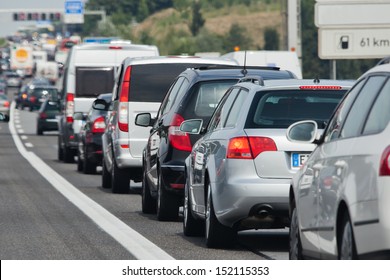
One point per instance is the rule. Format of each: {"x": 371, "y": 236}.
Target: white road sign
{"x": 74, "y": 12}
{"x": 353, "y": 43}
{"x": 371, "y": 13}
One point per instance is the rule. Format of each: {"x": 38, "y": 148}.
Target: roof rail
{"x": 219, "y": 66}
{"x": 257, "y": 80}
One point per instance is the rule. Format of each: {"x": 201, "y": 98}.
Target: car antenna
{"x": 316, "y": 80}
{"x": 244, "y": 71}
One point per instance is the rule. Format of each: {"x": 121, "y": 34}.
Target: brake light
{"x": 123, "y": 120}
{"x": 178, "y": 139}
{"x": 6, "y": 104}
{"x": 384, "y": 169}
{"x": 249, "y": 147}
{"x": 318, "y": 87}
{"x": 98, "y": 125}
{"x": 42, "y": 115}
{"x": 69, "y": 109}
{"x": 115, "y": 47}
{"x": 24, "y": 96}
{"x": 32, "y": 99}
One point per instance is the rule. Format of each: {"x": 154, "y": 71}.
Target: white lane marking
{"x": 140, "y": 247}
{"x": 23, "y": 137}
{"x": 18, "y": 126}
{"x": 29, "y": 145}
{"x": 20, "y": 131}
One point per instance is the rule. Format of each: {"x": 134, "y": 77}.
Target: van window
{"x": 92, "y": 81}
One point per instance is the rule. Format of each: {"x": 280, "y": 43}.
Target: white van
{"x": 286, "y": 60}
{"x": 90, "y": 70}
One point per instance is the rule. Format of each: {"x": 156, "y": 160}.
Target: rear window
{"x": 52, "y": 94}
{"x": 279, "y": 109}
{"x": 150, "y": 82}
{"x": 204, "y": 98}
{"x": 92, "y": 81}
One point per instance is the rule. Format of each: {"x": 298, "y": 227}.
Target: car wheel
{"x": 347, "y": 249}
{"x": 120, "y": 179}
{"x": 148, "y": 202}
{"x": 295, "y": 252}
{"x": 217, "y": 235}
{"x": 39, "y": 131}
{"x": 88, "y": 166}
{"x": 167, "y": 204}
{"x": 68, "y": 155}
{"x": 191, "y": 226}
{"x": 80, "y": 163}
{"x": 106, "y": 177}
{"x": 60, "y": 150}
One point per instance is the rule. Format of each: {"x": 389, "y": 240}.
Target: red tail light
{"x": 42, "y": 115}
{"x": 32, "y": 99}
{"x": 318, "y": 87}
{"x": 249, "y": 147}
{"x": 123, "y": 120}
{"x": 384, "y": 169}
{"x": 6, "y": 104}
{"x": 69, "y": 109}
{"x": 178, "y": 139}
{"x": 99, "y": 125}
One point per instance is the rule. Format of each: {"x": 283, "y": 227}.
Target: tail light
{"x": 178, "y": 139}
{"x": 320, "y": 87}
{"x": 6, "y": 104}
{"x": 123, "y": 114}
{"x": 249, "y": 147}
{"x": 384, "y": 169}
{"x": 32, "y": 99}
{"x": 98, "y": 125}
{"x": 43, "y": 115}
{"x": 24, "y": 96}
{"x": 69, "y": 109}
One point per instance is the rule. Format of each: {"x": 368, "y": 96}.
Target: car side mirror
{"x": 144, "y": 119}
{"x": 193, "y": 126}
{"x": 302, "y": 131}
{"x": 100, "y": 105}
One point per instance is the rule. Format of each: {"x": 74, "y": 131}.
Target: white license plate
{"x": 297, "y": 159}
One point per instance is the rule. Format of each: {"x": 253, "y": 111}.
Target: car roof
{"x": 177, "y": 59}
{"x": 379, "y": 68}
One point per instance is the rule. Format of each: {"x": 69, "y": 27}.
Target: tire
{"x": 88, "y": 166}
{"x": 295, "y": 246}
{"x": 167, "y": 204}
{"x": 39, "y": 131}
{"x": 68, "y": 155}
{"x": 149, "y": 205}
{"x": 106, "y": 177}
{"x": 347, "y": 248}
{"x": 191, "y": 226}
{"x": 120, "y": 179}
{"x": 80, "y": 164}
{"x": 217, "y": 235}
{"x": 60, "y": 150}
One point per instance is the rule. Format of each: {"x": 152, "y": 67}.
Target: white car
{"x": 340, "y": 199}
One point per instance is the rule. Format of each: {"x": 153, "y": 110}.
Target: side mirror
{"x": 193, "y": 126}
{"x": 100, "y": 105}
{"x": 302, "y": 131}
{"x": 143, "y": 119}
{"x": 4, "y": 118}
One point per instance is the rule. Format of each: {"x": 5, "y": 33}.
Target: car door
{"x": 209, "y": 151}
{"x": 159, "y": 131}
{"x": 349, "y": 172}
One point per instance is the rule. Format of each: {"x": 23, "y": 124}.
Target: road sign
{"x": 372, "y": 13}
{"x": 352, "y": 43}
{"x": 74, "y": 12}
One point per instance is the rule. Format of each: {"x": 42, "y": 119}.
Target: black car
{"x": 89, "y": 151}
{"x": 36, "y": 95}
{"x": 47, "y": 116}
{"x": 194, "y": 95}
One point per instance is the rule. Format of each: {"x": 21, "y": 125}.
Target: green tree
{"x": 237, "y": 36}
{"x": 271, "y": 39}
{"x": 197, "y": 18}
{"x": 142, "y": 10}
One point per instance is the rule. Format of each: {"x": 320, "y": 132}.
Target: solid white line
{"x": 29, "y": 145}
{"x": 140, "y": 247}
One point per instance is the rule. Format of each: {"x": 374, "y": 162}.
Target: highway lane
{"x": 165, "y": 235}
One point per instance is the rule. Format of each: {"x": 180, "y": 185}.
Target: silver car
{"x": 340, "y": 199}
{"x": 239, "y": 172}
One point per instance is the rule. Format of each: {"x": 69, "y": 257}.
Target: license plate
{"x": 297, "y": 159}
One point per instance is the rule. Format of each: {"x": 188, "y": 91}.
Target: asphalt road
{"x": 50, "y": 211}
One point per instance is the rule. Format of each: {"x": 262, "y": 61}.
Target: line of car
{"x": 234, "y": 146}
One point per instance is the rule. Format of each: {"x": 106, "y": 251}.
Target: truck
{"x": 21, "y": 59}
{"x": 286, "y": 60}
